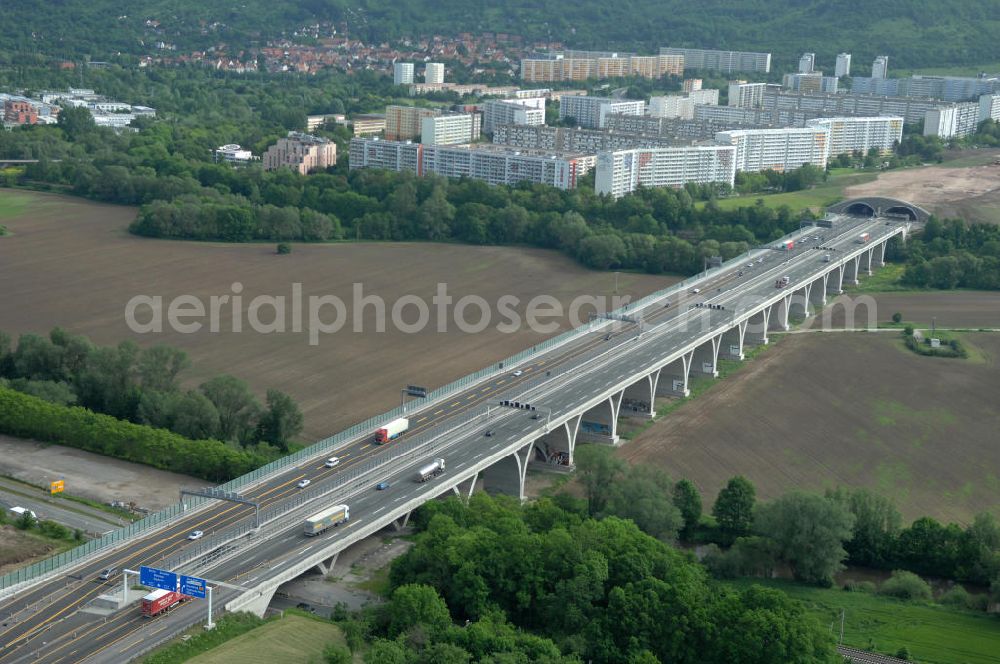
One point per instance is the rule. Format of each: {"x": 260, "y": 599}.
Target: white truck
{"x": 430, "y": 470}
{"x": 392, "y": 430}
{"x": 328, "y": 518}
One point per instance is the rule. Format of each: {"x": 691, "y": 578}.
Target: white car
{"x": 695, "y": 291}
{"x": 303, "y": 483}
{"x": 517, "y": 373}
{"x": 196, "y": 535}
{"x": 331, "y": 462}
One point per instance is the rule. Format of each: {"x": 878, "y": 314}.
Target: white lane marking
{"x": 379, "y": 510}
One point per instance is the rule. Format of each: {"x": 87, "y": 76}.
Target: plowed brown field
{"x": 72, "y": 263}
{"x": 855, "y": 409}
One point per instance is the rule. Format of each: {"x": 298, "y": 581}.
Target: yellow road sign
{"x": 57, "y": 486}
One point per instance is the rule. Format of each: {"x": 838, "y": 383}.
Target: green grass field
{"x": 13, "y": 203}
{"x": 294, "y": 638}
{"x": 822, "y": 195}
{"x": 933, "y": 634}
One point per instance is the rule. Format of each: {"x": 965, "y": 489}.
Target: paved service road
{"x": 43, "y": 621}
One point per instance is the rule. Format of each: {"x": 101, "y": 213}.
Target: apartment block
{"x": 584, "y": 141}
{"x": 623, "y": 171}
{"x": 746, "y": 95}
{"x": 490, "y": 163}
{"x": 989, "y": 107}
{"x": 827, "y": 105}
{"x": 880, "y": 67}
{"x": 691, "y": 85}
{"x": 709, "y": 97}
{"x": 814, "y": 82}
{"x": 527, "y": 111}
{"x": 781, "y": 149}
{"x": 389, "y": 155}
{"x": 402, "y": 73}
{"x": 843, "y": 66}
{"x": 948, "y": 88}
{"x": 19, "y": 112}
{"x": 403, "y": 122}
{"x": 860, "y": 134}
{"x": 300, "y": 152}
{"x": 727, "y": 62}
{"x": 953, "y": 121}
{"x": 590, "y": 112}
{"x": 434, "y": 72}
{"x": 678, "y": 106}
{"x": 368, "y": 124}
{"x": 450, "y": 128}
{"x": 584, "y": 65}
{"x": 807, "y": 63}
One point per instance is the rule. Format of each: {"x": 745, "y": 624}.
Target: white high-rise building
{"x": 402, "y": 73}
{"x": 807, "y": 63}
{"x": 952, "y": 121}
{"x": 623, "y": 171}
{"x": 780, "y": 150}
{"x": 434, "y": 72}
{"x": 527, "y": 111}
{"x": 450, "y": 129}
{"x": 843, "y": 67}
{"x": 746, "y": 95}
{"x": 989, "y": 107}
{"x": 724, "y": 61}
{"x": 672, "y": 106}
{"x": 880, "y": 68}
{"x": 590, "y": 112}
{"x": 860, "y": 134}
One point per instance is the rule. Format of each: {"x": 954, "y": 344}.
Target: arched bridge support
{"x": 851, "y": 270}
{"x": 465, "y": 488}
{"x": 778, "y": 319}
{"x": 706, "y": 357}
{"x": 506, "y": 476}
{"x": 637, "y": 399}
{"x": 556, "y": 449}
{"x": 757, "y": 326}
{"x": 835, "y": 281}
{"x": 798, "y": 302}
{"x": 673, "y": 380}
{"x": 731, "y": 343}
{"x": 600, "y": 423}
{"x": 817, "y": 295}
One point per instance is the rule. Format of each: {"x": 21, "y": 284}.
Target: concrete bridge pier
{"x": 555, "y": 450}
{"x": 637, "y": 398}
{"x": 255, "y": 601}
{"x": 706, "y": 357}
{"x": 325, "y": 567}
{"x": 673, "y": 380}
{"x": 879, "y": 255}
{"x": 798, "y": 302}
{"x": 464, "y": 489}
{"x": 600, "y": 423}
{"x": 835, "y": 280}
{"x": 851, "y": 270}
{"x": 506, "y": 476}
{"x": 731, "y": 344}
{"x": 817, "y": 296}
{"x": 757, "y": 326}
{"x": 400, "y": 523}
{"x": 778, "y": 319}
{"x": 866, "y": 261}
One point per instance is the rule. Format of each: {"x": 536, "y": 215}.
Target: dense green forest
{"x": 912, "y": 33}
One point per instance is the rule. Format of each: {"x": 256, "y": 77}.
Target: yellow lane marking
{"x": 457, "y": 403}
{"x": 501, "y": 381}
{"x": 438, "y": 412}
{"x": 421, "y": 419}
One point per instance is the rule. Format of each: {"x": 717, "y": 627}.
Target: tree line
{"x": 951, "y": 254}
{"x": 815, "y": 535}
{"x": 142, "y": 386}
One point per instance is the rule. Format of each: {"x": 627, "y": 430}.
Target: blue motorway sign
{"x": 157, "y": 578}
{"x": 192, "y": 586}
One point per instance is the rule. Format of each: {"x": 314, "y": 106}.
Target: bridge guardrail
{"x": 81, "y": 553}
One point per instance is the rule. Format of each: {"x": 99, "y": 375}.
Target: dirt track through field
{"x": 71, "y": 263}
{"x": 854, "y": 409}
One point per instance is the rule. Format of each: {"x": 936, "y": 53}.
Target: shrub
{"x": 284, "y": 248}
{"x": 957, "y": 596}
{"x": 54, "y": 530}
{"x": 897, "y": 317}
{"x": 908, "y": 331}
{"x": 905, "y": 585}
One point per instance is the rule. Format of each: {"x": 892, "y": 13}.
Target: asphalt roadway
{"x": 43, "y": 621}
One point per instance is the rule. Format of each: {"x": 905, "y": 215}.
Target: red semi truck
{"x": 159, "y": 601}
{"x": 392, "y": 430}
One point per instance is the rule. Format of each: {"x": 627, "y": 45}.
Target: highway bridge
{"x": 575, "y": 391}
